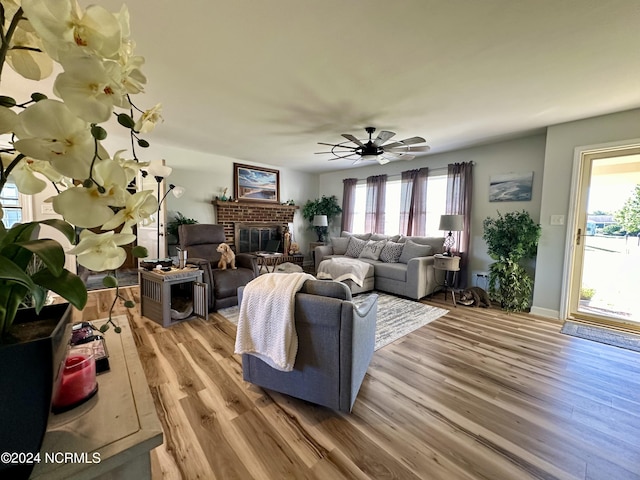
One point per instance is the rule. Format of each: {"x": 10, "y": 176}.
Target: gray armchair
{"x": 336, "y": 340}
{"x": 200, "y": 242}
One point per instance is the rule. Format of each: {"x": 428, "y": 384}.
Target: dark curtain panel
{"x": 374, "y": 213}
{"x": 459, "y": 190}
{"x": 413, "y": 202}
{"x": 348, "y": 203}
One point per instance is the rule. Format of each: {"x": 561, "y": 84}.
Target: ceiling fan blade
{"x": 337, "y": 145}
{"x": 382, "y": 161}
{"x": 341, "y": 157}
{"x": 407, "y": 157}
{"x": 382, "y": 137}
{"x": 406, "y": 141}
{"x": 353, "y": 139}
{"x": 407, "y": 149}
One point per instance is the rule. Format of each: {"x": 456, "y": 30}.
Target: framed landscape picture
{"x": 510, "y": 187}
{"x": 256, "y": 184}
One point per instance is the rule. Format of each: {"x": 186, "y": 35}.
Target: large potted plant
{"x": 511, "y": 239}
{"x": 321, "y": 206}
{"x": 59, "y": 141}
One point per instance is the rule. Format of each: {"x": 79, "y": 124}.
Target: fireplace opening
{"x": 253, "y": 237}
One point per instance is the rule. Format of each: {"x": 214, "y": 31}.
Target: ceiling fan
{"x": 376, "y": 150}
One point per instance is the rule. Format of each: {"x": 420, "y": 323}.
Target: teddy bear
{"x": 294, "y": 248}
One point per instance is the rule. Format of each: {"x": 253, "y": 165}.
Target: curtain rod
{"x": 437, "y": 169}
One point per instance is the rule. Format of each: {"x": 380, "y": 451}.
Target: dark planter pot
{"x": 30, "y": 357}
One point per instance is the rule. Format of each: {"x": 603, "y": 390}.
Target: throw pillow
{"x": 339, "y": 245}
{"x": 413, "y": 250}
{"x": 372, "y": 249}
{"x": 355, "y": 247}
{"x": 391, "y": 252}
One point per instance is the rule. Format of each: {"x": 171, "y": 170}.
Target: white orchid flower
{"x": 8, "y": 120}
{"x": 28, "y": 61}
{"x": 47, "y": 130}
{"x": 131, "y": 167}
{"x": 139, "y": 207}
{"x": 91, "y": 87}
{"x": 101, "y": 251}
{"x": 89, "y": 207}
{"x": 63, "y": 25}
{"x": 148, "y": 120}
{"x": 28, "y": 172}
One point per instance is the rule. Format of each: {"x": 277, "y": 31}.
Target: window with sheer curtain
{"x": 436, "y": 205}
{"x": 11, "y": 205}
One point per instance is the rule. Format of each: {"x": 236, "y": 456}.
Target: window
{"x": 10, "y": 201}
{"x": 436, "y": 205}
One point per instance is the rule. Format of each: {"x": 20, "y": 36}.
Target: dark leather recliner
{"x": 200, "y": 242}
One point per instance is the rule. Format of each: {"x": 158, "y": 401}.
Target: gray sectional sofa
{"x": 401, "y": 265}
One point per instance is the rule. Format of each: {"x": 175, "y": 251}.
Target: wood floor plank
{"x": 476, "y": 394}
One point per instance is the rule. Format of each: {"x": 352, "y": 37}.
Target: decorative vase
{"x": 30, "y": 356}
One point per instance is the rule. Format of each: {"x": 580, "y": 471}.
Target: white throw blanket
{"x": 343, "y": 268}
{"x": 266, "y": 326}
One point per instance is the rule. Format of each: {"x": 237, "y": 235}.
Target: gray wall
{"x": 513, "y": 156}
{"x": 562, "y": 141}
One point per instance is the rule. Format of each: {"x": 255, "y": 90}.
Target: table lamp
{"x": 321, "y": 223}
{"x": 451, "y": 223}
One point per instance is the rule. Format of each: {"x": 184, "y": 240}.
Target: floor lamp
{"x": 160, "y": 172}
{"x": 451, "y": 223}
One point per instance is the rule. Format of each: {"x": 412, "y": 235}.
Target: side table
{"x": 266, "y": 260}
{"x": 448, "y": 265}
{"x": 159, "y": 291}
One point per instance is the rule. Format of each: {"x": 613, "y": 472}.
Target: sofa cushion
{"x": 391, "y": 252}
{"x": 372, "y": 249}
{"x": 378, "y": 236}
{"x": 412, "y": 249}
{"x": 361, "y": 236}
{"x": 435, "y": 242}
{"x": 355, "y": 247}
{"x": 339, "y": 245}
{"x": 393, "y": 271}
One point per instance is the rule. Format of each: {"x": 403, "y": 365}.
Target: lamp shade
{"x": 452, "y": 223}
{"x": 320, "y": 221}
{"x": 177, "y": 191}
{"x": 157, "y": 169}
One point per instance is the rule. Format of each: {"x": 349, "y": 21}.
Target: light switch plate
{"x": 47, "y": 208}
{"x": 557, "y": 219}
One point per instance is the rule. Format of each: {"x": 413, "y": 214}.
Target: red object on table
{"x": 78, "y": 380}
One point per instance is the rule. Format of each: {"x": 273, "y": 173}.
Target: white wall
{"x": 513, "y": 156}
{"x": 558, "y": 163}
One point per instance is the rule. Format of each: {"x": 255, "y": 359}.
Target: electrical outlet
{"x": 47, "y": 209}
{"x": 557, "y": 220}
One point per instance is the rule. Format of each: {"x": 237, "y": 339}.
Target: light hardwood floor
{"x": 477, "y": 394}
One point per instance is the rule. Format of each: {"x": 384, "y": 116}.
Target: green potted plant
{"x": 321, "y": 206}
{"x": 511, "y": 239}
{"x": 59, "y": 141}
{"x": 173, "y": 225}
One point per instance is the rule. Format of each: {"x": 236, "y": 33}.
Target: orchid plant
{"x": 59, "y": 140}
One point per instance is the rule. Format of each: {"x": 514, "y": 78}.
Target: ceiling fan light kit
{"x": 376, "y": 150}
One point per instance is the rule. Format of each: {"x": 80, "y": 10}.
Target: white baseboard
{"x": 545, "y": 312}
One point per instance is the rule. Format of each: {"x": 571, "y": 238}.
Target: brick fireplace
{"x": 252, "y": 216}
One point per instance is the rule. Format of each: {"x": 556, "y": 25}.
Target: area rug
{"x": 397, "y": 316}
{"x": 609, "y": 336}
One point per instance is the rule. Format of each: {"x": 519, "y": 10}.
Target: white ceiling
{"x": 264, "y": 81}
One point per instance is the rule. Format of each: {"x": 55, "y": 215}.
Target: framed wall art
{"x": 256, "y": 184}
{"x": 511, "y": 187}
